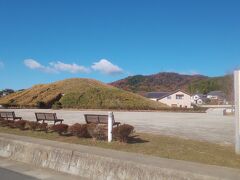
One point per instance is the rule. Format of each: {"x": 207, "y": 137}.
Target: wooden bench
{"x": 7, "y": 115}
{"x": 99, "y": 119}
{"x": 48, "y": 117}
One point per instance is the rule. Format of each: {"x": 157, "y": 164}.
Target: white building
{"x": 219, "y": 95}
{"x": 177, "y": 98}
{"x": 198, "y": 99}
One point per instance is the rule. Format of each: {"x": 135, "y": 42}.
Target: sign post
{"x": 237, "y": 111}
{"x": 110, "y": 126}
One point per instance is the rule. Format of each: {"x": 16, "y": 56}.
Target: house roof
{"x": 161, "y": 95}
{"x": 198, "y": 94}
{"x": 216, "y": 93}
{"x": 156, "y": 95}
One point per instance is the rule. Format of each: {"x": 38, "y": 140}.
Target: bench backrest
{"x": 7, "y": 114}
{"x": 46, "y": 116}
{"x": 97, "y": 119}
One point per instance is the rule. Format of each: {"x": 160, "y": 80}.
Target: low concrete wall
{"x": 98, "y": 163}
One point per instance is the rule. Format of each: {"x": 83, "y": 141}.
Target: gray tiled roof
{"x": 156, "y": 95}
{"x": 217, "y": 93}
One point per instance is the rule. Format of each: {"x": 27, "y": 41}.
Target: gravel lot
{"x": 211, "y": 126}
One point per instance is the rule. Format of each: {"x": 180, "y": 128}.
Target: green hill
{"x": 79, "y": 93}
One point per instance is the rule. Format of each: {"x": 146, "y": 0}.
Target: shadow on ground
{"x": 135, "y": 139}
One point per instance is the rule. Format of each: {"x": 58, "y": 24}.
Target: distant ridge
{"x": 167, "y": 81}
{"x": 163, "y": 81}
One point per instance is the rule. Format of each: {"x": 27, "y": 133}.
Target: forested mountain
{"x": 166, "y": 81}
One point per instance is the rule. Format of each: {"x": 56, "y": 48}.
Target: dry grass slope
{"x": 79, "y": 93}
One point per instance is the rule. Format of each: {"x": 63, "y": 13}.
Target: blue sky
{"x": 43, "y": 41}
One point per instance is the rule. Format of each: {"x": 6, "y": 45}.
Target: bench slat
{"x": 49, "y": 116}
{"x": 103, "y": 119}
{"x": 98, "y": 119}
{"x": 9, "y": 115}
{"x": 40, "y": 116}
{"x": 92, "y": 119}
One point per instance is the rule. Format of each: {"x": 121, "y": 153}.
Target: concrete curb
{"x": 31, "y": 172}
{"x": 98, "y": 163}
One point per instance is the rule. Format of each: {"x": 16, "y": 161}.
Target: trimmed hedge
{"x": 100, "y": 132}
{"x": 122, "y": 132}
{"x": 60, "y": 128}
{"x": 32, "y": 125}
{"x": 79, "y": 130}
{"x": 20, "y": 124}
{"x": 6, "y": 123}
{"x": 96, "y": 131}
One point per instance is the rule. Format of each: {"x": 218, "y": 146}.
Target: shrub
{"x": 60, "y": 128}
{"x": 90, "y": 128}
{"x": 5, "y": 123}
{"x": 97, "y": 131}
{"x": 20, "y": 124}
{"x": 122, "y": 132}
{"x": 2, "y": 122}
{"x": 57, "y": 105}
{"x": 100, "y": 132}
{"x": 42, "y": 127}
{"x": 79, "y": 130}
{"x": 32, "y": 125}
{"x": 40, "y": 104}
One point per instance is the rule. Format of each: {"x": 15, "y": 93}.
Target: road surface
{"x": 13, "y": 170}
{"x": 11, "y": 175}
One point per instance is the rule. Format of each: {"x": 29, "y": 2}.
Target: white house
{"x": 4, "y": 94}
{"x": 218, "y": 95}
{"x": 177, "y": 98}
{"x": 198, "y": 99}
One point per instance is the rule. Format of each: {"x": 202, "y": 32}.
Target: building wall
{"x": 153, "y": 99}
{"x": 196, "y": 99}
{"x": 174, "y": 102}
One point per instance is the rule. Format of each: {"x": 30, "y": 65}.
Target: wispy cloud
{"x": 55, "y": 67}
{"x": 103, "y": 66}
{"x": 106, "y": 67}
{"x": 33, "y": 64}
{"x": 72, "y": 68}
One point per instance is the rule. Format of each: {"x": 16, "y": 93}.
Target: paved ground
{"x": 211, "y": 126}
{"x": 11, "y": 175}
{"x": 12, "y": 170}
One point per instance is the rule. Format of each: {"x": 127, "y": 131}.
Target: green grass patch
{"x": 79, "y": 94}
{"x": 155, "y": 145}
